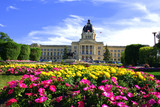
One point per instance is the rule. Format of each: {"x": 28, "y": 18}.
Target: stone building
{"x": 87, "y": 48}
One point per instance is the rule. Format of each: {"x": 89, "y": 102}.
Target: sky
{"x": 59, "y": 22}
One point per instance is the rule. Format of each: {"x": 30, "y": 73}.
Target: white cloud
{"x": 11, "y": 8}
{"x": 1, "y": 25}
{"x": 67, "y": 31}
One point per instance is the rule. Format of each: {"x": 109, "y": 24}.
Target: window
{"x": 41, "y": 49}
{"x": 57, "y": 49}
{"x": 115, "y": 55}
{"x": 111, "y": 50}
{"x": 44, "y": 53}
{"x": 118, "y": 55}
{"x": 114, "y": 50}
{"x": 54, "y": 53}
{"x": 99, "y": 57}
{"x": 86, "y": 52}
{"x": 47, "y": 49}
{"x": 44, "y": 49}
{"x": 114, "y": 59}
{"x": 51, "y": 53}
{"x": 58, "y": 53}
{"x": 61, "y": 49}
{"x": 41, "y": 53}
{"x": 54, "y": 49}
{"x": 90, "y": 52}
{"x": 82, "y": 52}
{"x": 99, "y": 53}
{"x": 111, "y": 54}
{"x": 75, "y": 47}
{"x": 48, "y": 53}
{"x": 99, "y": 47}
{"x": 118, "y": 50}
{"x": 51, "y": 49}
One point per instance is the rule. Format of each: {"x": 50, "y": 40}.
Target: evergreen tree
{"x": 65, "y": 56}
{"x": 106, "y": 54}
{"x": 4, "y": 37}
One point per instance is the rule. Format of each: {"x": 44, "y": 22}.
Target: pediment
{"x": 87, "y": 42}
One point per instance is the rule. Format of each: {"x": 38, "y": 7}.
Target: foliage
{"x": 65, "y": 56}
{"x": 146, "y": 55}
{"x": 24, "y": 53}
{"x": 80, "y": 86}
{"x": 10, "y": 51}
{"x": 106, "y": 54}
{"x": 132, "y": 54}
{"x": 35, "y": 54}
{"x": 123, "y": 57}
{"x": 4, "y": 37}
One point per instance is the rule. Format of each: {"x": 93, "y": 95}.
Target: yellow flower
{"x": 107, "y": 74}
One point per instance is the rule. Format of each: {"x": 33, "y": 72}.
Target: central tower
{"x": 87, "y": 48}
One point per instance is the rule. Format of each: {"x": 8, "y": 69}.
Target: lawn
{"x": 156, "y": 74}
{"x": 6, "y": 78}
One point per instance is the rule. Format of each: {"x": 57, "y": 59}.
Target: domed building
{"x": 87, "y": 48}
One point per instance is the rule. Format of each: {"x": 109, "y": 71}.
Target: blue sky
{"x": 59, "y": 22}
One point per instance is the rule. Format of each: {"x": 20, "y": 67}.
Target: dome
{"x": 88, "y": 27}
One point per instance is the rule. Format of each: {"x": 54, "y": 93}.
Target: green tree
{"x": 65, "y": 56}
{"x": 35, "y": 54}
{"x": 123, "y": 57}
{"x": 10, "y": 51}
{"x": 106, "y": 54}
{"x": 132, "y": 54}
{"x": 24, "y": 53}
{"x": 4, "y": 37}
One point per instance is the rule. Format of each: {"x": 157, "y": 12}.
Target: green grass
{"x": 6, "y": 78}
{"x": 156, "y": 74}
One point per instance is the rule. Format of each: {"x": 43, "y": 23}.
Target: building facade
{"x": 87, "y": 48}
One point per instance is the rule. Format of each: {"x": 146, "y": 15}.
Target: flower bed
{"x": 77, "y": 85}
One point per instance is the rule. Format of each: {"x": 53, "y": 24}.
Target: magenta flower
{"x": 101, "y": 88}
{"x": 29, "y": 94}
{"x": 11, "y": 101}
{"x": 22, "y": 85}
{"x": 112, "y": 98}
{"x": 151, "y": 101}
{"x": 75, "y": 92}
{"x": 125, "y": 98}
{"x": 134, "y": 103}
{"x": 41, "y": 99}
{"x": 52, "y": 88}
{"x": 129, "y": 94}
{"x": 158, "y": 101}
{"x": 118, "y": 97}
{"x": 80, "y": 104}
{"x": 146, "y": 105}
{"x": 10, "y": 91}
{"x": 106, "y": 94}
{"x": 104, "y": 105}
{"x": 58, "y": 99}
{"x": 68, "y": 85}
{"x": 41, "y": 90}
{"x": 103, "y": 81}
{"x": 120, "y": 104}
{"x": 137, "y": 87}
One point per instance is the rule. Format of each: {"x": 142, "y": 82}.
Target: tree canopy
{"x": 106, "y": 54}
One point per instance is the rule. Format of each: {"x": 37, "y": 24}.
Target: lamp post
{"x": 154, "y": 33}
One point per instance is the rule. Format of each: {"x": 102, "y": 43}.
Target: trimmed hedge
{"x": 24, "y": 53}
{"x": 35, "y": 54}
{"x": 10, "y": 51}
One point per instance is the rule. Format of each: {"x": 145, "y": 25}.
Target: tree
{"x": 24, "y": 53}
{"x": 123, "y": 57}
{"x": 35, "y": 54}
{"x": 132, "y": 54}
{"x": 146, "y": 55}
{"x": 4, "y": 37}
{"x": 65, "y": 56}
{"x": 106, "y": 54}
{"x": 10, "y": 51}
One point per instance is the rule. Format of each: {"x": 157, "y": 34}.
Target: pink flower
{"x": 114, "y": 80}
{"x": 118, "y": 97}
{"x": 41, "y": 90}
{"x": 85, "y": 81}
{"x": 121, "y": 104}
{"x": 112, "y": 98}
{"x": 58, "y": 99}
{"x": 29, "y": 94}
{"x": 41, "y": 99}
{"x": 103, "y": 81}
{"x": 75, "y": 92}
{"x": 104, "y": 105}
{"x": 80, "y": 104}
{"x": 101, "y": 88}
{"x": 52, "y": 88}
{"x": 10, "y": 91}
{"x": 151, "y": 101}
{"x": 137, "y": 87}
{"x": 146, "y": 105}
{"x": 134, "y": 103}
{"x": 68, "y": 85}
{"x": 107, "y": 94}
{"x": 129, "y": 94}
{"x": 125, "y": 98}
{"x": 22, "y": 85}
{"x": 158, "y": 101}
{"x": 11, "y": 101}
{"x": 86, "y": 88}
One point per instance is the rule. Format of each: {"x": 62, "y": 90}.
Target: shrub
{"x": 35, "y": 54}
{"x": 10, "y": 51}
{"x": 24, "y": 53}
